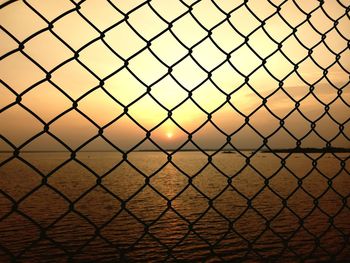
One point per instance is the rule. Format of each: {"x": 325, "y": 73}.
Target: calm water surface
{"x": 69, "y": 217}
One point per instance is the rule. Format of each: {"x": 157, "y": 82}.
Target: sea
{"x": 191, "y": 207}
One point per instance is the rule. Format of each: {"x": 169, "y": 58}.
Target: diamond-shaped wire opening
{"x": 264, "y": 122}
{"x": 246, "y": 137}
{"x": 244, "y": 21}
{"x": 208, "y": 55}
{"x": 274, "y": 64}
{"x": 245, "y": 100}
{"x": 277, "y": 28}
{"x": 188, "y": 37}
{"x": 115, "y": 230}
{"x": 18, "y": 64}
{"x": 226, "y": 37}
{"x": 116, "y": 87}
{"x": 124, "y": 181}
{"x": 190, "y": 204}
{"x": 326, "y": 128}
{"x": 328, "y": 205}
{"x": 75, "y": 224}
{"x": 156, "y": 253}
{"x": 190, "y": 168}
{"x": 7, "y": 97}
{"x": 309, "y": 66}
{"x": 15, "y": 131}
{"x": 227, "y": 77}
{"x": 106, "y": 158}
{"x": 169, "y": 136}
{"x": 170, "y": 182}
{"x": 262, "y": 43}
{"x": 33, "y": 154}
{"x": 87, "y": 252}
{"x": 285, "y": 231}
{"x": 248, "y": 182}
{"x": 239, "y": 58}
{"x": 125, "y": 33}
{"x": 168, "y": 49}
{"x": 233, "y": 209}
{"x": 72, "y": 180}
{"x": 267, "y": 198}
{"x": 68, "y": 128}
{"x": 170, "y": 220}
{"x": 280, "y": 104}
{"x": 85, "y": 205}
{"x": 8, "y": 45}
{"x": 262, "y": 13}
{"x": 252, "y": 220}
{"x": 205, "y": 227}
{"x": 137, "y": 160}
{"x": 293, "y": 50}
{"x": 168, "y": 93}
{"x": 181, "y": 73}
{"x": 67, "y": 27}
{"x": 36, "y": 101}
{"x": 207, "y": 14}
{"x": 6, "y": 206}
{"x": 49, "y": 55}
{"x": 216, "y": 137}
{"x": 100, "y": 107}
{"x": 228, "y": 119}
{"x": 150, "y": 200}
{"x": 147, "y": 112}
{"x": 18, "y": 243}
{"x": 208, "y": 97}
{"x": 66, "y": 80}
{"x": 13, "y": 174}
{"x": 36, "y": 252}
{"x": 210, "y": 181}
{"x": 284, "y": 183}
{"x": 169, "y": 10}
{"x": 146, "y": 22}
{"x": 189, "y": 122}
{"x": 30, "y": 22}
{"x": 334, "y": 39}
{"x": 106, "y": 16}
{"x": 117, "y": 133}
{"x": 100, "y": 59}
{"x": 147, "y": 68}
{"x": 44, "y": 199}
{"x": 46, "y": 8}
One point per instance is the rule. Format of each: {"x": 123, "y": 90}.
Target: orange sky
{"x": 47, "y": 101}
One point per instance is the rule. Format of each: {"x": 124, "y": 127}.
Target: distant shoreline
{"x": 309, "y": 150}
{"x": 149, "y": 150}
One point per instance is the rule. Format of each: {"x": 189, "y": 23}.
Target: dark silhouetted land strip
{"x": 310, "y": 150}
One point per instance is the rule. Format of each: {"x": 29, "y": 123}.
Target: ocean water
{"x": 147, "y": 209}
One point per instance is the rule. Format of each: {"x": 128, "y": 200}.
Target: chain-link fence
{"x": 174, "y": 131}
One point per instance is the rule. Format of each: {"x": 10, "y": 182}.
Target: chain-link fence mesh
{"x": 142, "y": 198}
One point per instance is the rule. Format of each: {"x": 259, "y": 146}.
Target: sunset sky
{"x": 171, "y": 87}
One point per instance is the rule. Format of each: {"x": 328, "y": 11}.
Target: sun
{"x": 169, "y": 135}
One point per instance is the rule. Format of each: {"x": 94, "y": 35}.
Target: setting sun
{"x": 169, "y": 135}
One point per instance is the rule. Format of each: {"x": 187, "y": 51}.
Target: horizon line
{"x": 265, "y": 150}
